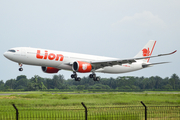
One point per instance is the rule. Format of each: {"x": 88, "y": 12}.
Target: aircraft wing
{"x": 100, "y": 64}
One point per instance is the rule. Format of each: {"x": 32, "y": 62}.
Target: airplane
{"x": 52, "y": 61}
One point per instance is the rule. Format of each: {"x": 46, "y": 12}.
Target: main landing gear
{"x": 93, "y": 75}
{"x": 20, "y": 65}
{"x": 74, "y": 75}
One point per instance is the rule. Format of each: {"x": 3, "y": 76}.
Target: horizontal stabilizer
{"x": 151, "y": 64}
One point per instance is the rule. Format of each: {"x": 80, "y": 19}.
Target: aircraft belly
{"x": 64, "y": 67}
{"x": 120, "y": 68}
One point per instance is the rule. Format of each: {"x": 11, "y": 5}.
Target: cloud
{"x": 145, "y": 19}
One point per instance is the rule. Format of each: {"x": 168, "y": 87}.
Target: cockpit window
{"x": 11, "y": 51}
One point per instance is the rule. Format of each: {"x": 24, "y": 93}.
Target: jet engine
{"x": 82, "y": 67}
{"x": 49, "y": 69}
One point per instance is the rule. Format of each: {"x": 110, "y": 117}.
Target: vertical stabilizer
{"x": 146, "y": 50}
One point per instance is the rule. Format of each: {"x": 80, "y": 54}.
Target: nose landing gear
{"x": 20, "y": 65}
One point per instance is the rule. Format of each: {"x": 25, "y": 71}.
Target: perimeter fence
{"x": 87, "y": 112}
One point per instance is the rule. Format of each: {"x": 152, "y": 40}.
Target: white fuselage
{"x": 63, "y": 60}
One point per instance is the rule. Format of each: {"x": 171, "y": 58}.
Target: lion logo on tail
{"x": 146, "y": 52}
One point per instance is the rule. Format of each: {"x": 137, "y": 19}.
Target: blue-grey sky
{"x": 113, "y": 28}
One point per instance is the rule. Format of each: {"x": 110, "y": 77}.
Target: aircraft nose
{"x": 5, "y": 54}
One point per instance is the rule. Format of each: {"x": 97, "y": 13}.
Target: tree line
{"x": 57, "y": 82}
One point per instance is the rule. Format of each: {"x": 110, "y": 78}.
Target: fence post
{"x": 85, "y": 110}
{"x": 145, "y": 109}
{"x": 16, "y": 111}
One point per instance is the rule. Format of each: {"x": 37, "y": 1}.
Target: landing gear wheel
{"x": 78, "y": 79}
{"x": 91, "y": 76}
{"x": 94, "y": 75}
{"x": 96, "y": 79}
{"x": 20, "y": 69}
{"x": 74, "y": 76}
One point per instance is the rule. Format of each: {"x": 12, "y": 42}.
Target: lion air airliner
{"x": 52, "y": 61}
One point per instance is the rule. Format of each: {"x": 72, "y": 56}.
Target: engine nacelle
{"x": 49, "y": 69}
{"x": 82, "y": 67}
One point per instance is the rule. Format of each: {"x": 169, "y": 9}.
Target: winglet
{"x": 168, "y": 53}
{"x": 174, "y": 52}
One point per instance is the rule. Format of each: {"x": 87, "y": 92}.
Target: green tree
{"x": 10, "y": 84}
{"x": 80, "y": 87}
{"x": 35, "y": 83}
{"x": 2, "y": 85}
{"x": 43, "y": 87}
{"x": 49, "y": 83}
{"x": 57, "y": 81}
{"x": 174, "y": 80}
{"x": 21, "y": 77}
{"x": 21, "y": 83}
{"x": 167, "y": 87}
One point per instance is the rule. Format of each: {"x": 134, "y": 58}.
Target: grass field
{"x": 120, "y": 98}
{"x": 103, "y": 105}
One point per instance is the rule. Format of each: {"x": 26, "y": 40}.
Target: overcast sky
{"x": 113, "y": 28}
